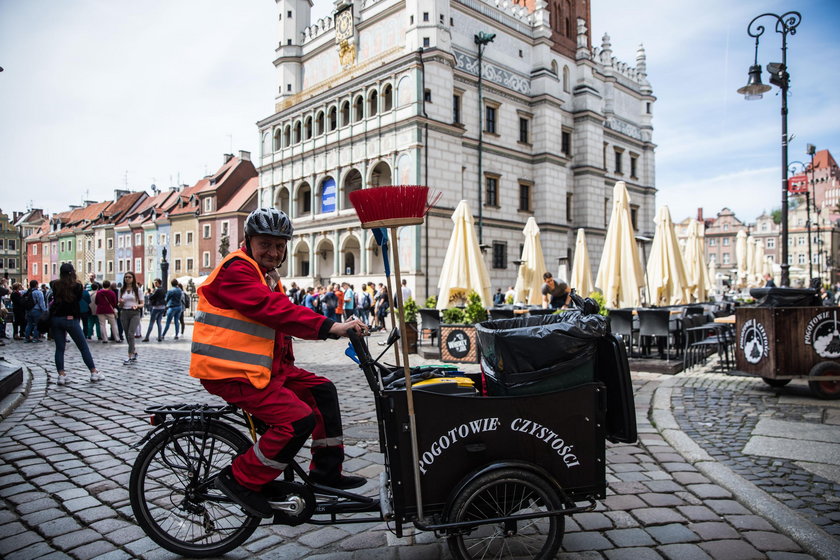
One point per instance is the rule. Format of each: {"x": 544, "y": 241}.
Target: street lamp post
{"x": 481, "y": 41}
{"x": 786, "y": 24}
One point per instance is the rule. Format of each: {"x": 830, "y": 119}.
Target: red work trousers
{"x": 294, "y": 405}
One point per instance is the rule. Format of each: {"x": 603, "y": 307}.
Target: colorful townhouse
{"x": 183, "y": 222}
{"x": 9, "y": 256}
{"x": 229, "y": 191}
{"x": 28, "y": 223}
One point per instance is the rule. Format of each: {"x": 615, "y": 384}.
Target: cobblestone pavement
{"x": 66, "y": 460}
{"x": 734, "y": 406}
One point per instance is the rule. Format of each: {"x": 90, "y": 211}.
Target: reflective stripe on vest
{"x": 226, "y": 344}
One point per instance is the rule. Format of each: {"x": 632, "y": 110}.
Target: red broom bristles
{"x": 392, "y": 202}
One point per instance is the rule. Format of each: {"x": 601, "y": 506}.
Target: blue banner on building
{"x": 328, "y": 195}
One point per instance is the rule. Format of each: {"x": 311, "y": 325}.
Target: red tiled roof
{"x": 238, "y": 200}
{"x": 823, "y": 160}
{"x": 189, "y": 205}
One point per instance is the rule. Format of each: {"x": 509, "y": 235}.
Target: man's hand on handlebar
{"x": 355, "y": 325}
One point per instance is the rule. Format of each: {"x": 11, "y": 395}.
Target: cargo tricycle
{"x": 493, "y": 475}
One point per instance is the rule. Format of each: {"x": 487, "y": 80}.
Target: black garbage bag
{"x": 541, "y": 353}
{"x": 786, "y": 297}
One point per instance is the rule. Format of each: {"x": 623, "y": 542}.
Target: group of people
{"x": 65, "y": 307}
{"x": 370, "y": 303}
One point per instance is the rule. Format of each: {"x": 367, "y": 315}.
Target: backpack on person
{"x": 366, "y": 301}
{"x": 28, "y": 300}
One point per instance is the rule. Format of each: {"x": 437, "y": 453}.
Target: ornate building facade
{"x": 387, "y": 92}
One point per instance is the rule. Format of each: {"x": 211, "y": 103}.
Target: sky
{"x": 98, "y": 95}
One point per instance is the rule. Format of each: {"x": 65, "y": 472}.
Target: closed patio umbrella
{"x": 759, "y": 261}
{"x": 581, "y": 279}
{"x": 665, "y": 269}
{"x": 463, "y": 266}
{"x": 529, "y": 279}
{"x": 620, "y": 273}
{"x": 698, "y": 278}
{"x": 741, "y": 256}
{"x": 750, "y": 261}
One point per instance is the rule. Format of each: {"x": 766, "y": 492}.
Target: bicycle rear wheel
{"x": 173, "y": 496}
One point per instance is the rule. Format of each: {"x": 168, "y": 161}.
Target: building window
{"x": 712, "y": 242}
{"x": 617, "y": 169}
{"x": 150, "y": 239}
{"x": 634, "y": 217}
{"x": 634, "y": 161}
{"x": 499, "y": 254}
{"x": 426, "y": 42}
{"x": 34, "y": 248}
{"x": 606, "y": 211}
{"x": 771, "y": 243}
{"x": 120, "y": 265}
{"x": 178, "y": 239}
{"x": 205, "y": 259}
{"x": 110, "y": 267}
{"x": 11, "y": 263}
{"x": 358, "y": 109}
{"x": 427, "y": 95}
{"x": 208, "y": 204}
{"x": 566, "y": 142}
{"x": 566, "y": 80}
{"x": 205, "y": 231}
{"x": 189, "y": 265}
{"x": 569, "y": 197}
{"x": 523, "y": 130}
{"x": 491, "y": 190}
{"x": 47, "y": 269}
{"x": 800, "y": 258}
{"x": 225, "y": 228}
{"x": 345, "y": 113}
{"x": 110, "y": 243}
{"x": 62, "y": 246}
{"x": 425, "y": 16}
{"x": 725, "y": 258}
{"x": 524, "y": 197}
{"x": 490, "y": 119}
{"x": 34, "y": 269}
{"x": 189, "y": 238}
{"x": 177, "y": 265}
{"x": 163, "y": 239}
{"x": 138, "y": 265}
{"x": 11, "y": 245}
{"x": 456, "y": 109}
{"x": 726, "y": 242}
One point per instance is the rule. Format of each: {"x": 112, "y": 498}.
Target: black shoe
{"x": 252, "y": 502}
{"x": 343, "y": 482}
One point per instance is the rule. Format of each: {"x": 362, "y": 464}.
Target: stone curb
{"x": 11, "y": 401}
{"x": 809, "y": 536}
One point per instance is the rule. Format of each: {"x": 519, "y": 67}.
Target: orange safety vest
{"x": 228, "y": 344}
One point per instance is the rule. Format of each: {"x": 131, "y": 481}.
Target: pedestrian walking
{"x": 93, "y": 320}
{"x": 18, "y": 311}
{"x": 174, "y": 309}
{"x": 35, "y": 304}
{"x": 131, "y": 304}
{"x": 157, "y": 304}
{"x": 349, "y": 301}
{"x": 185, "y": 304}
{"x": 106, "y": 302}
{"x": 65, "y": 315}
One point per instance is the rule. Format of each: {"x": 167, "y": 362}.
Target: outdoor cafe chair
{"x": 622, "y": 324}
{"x": 656, "y": 323}
{"x": 429, "y": 323}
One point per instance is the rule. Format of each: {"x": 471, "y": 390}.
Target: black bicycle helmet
{"x": 269, "y": 221}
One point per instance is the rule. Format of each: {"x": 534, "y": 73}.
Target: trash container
{"x": 785, "y": 297}
{"x": 531, "y": 355}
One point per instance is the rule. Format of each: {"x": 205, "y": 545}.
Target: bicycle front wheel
{"x": 173, "y": 496}
{"x": 500, "y": 494}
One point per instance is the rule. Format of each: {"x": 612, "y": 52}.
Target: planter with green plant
{"x": 410, "y": 311}
{"x": 457, "y": 331}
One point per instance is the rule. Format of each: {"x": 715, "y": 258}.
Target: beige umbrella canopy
{"x": 741, "y": 256}
{"x": 750, "y": 260}
{"x": 665, "y": 269}
{"x": 713, "y": 279}
{"x": 620, "y": 274}
{"x": 463, "y": 266}
{"x": 699, "y": 279}
{"x": 759, "y": 262}
{"x": 529, "y": 279}
{"x": 581, "y": 279}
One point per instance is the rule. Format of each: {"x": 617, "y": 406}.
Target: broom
{"x": 392, "y": 207}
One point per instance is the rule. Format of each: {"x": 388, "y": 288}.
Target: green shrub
{"x": 431, "y": 302}
{"x": 602, "y": 302}
{"x": 410, "y": 309}
{"x": 452, "y": 316}
{"x": 474, "y": 312}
